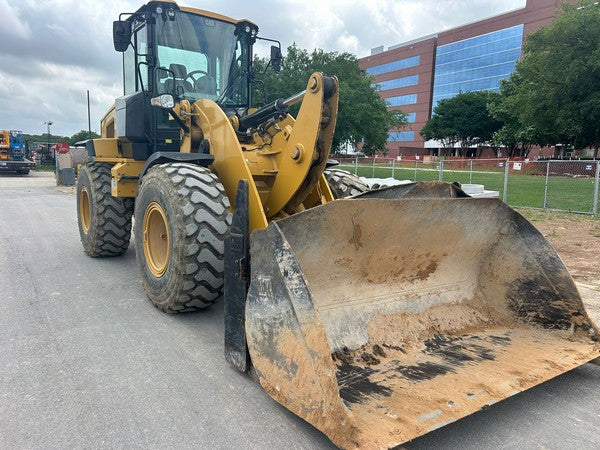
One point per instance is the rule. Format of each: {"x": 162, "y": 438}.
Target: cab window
{"x": 135, "y": 69}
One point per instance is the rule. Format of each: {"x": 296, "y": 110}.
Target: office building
{"x": 414, "y": 76}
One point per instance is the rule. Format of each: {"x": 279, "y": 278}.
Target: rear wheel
{"x": 344, "y": 184}
{"x": 104, "y": 220}
{"x": 182, "y": 218}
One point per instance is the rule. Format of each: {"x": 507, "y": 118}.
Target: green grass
{"x": 45, "y": 167}
{"x": 564, "y": 193}
{"x": 539, "y": 215}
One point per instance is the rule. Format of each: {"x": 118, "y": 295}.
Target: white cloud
{"x": 55, "y": 50}
{"x": 58, "y": 94}
{"x": 12, "y": 23}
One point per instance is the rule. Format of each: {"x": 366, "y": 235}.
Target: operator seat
{"x": 206, "y": 85}
{"x": 179, "y": 83}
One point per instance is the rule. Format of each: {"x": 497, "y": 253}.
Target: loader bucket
{"x": 379, "y": 320}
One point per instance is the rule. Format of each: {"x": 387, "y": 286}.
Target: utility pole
{"x": 48, "y": 123}
{"x": 89, "y": 118}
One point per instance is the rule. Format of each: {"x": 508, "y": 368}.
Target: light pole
{"x": 48, "y": 140}
{"x": 89, "y": 118}
{"x": 48, "y": 123}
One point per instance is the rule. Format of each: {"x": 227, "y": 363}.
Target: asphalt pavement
{"x": 87, "y": 362}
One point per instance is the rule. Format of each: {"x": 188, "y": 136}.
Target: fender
{"x": 202, "y": 159}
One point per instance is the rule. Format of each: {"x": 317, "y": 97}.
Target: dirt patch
{"x": 577, "y": 241}
{"x": 410, "y": 393}
{"x": 67, "y": 189}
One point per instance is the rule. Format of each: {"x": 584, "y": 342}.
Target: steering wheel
{"x": 194, "y": 72}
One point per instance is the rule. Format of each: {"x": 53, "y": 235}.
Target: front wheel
{"x": 182, "y": 218}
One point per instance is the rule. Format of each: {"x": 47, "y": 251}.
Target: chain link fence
{"x": 560, "y": 185}
{"x": 489, "y": 173}
{"x": 556, "y": 185}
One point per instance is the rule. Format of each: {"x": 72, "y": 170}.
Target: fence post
{"x": 441, "y": 168}
{"x": 373, "y": 171}
{"x": 471, "y": 174}
{"x": 546, "y": 186}
{"x": 394, "y": 168}
{"x": 596, "y": 183}
{"x": 415, "y": 170}
{"x": 505, "y": 190}
{"x": 356, "y": 165}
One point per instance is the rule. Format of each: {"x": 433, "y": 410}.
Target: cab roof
{"x": 201, "y": 12}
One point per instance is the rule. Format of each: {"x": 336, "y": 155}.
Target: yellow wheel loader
{"x": 375, "y": 318}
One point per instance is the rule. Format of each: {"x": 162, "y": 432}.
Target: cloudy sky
{"x": 54, "y": 50}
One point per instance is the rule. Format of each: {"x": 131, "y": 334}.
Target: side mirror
{"x": 276, "y": 58}
{"x": 121, "y": 35}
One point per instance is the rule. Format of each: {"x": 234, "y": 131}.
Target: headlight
{"x": 171, "y": 13}
{"x": 163, "y": 101}
{"x": 159, "y": 10}
{"x": 247, "y": 28}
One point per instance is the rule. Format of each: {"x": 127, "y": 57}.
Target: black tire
{"x": 107, "y": 229}
{"x": 344, "y": 184}
{"x": 197, "y": 211}
{"x": 23, "y": 172}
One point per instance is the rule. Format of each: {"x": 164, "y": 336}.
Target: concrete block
{"x": 479, "y": 191}
{"x": 66, "y": 177}
{"x": 65, "y": 161}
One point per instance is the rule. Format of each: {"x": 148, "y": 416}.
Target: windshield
{"x": 199, "y": 57}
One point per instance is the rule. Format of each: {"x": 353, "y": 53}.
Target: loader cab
{"x": 187, "y": 53}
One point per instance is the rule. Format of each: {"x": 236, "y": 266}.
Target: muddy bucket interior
{"x": 378, "y": 321}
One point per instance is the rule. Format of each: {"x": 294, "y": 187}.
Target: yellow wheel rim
{"x": 157, "y": 240}
{"x": 85, "y": 210}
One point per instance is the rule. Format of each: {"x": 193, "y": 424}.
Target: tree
{"x": 463, "y": 119}
{"x": 517, "y": 139}
{"x": 44, "y": 138}
{"x": 516, "y": 136}
{"x": 439, "y": 128}
{"x": 555, "y": 88}
{"x": 82, "y": 136}
{"x": 362, "y": 114}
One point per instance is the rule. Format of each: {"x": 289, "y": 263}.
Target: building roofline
{"x": 473, "y": 22}
{"x": 413, "y": 41}
{"x": 435, "y": 35}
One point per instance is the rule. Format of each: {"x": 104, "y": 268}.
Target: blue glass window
{"x": 401, "y": 136}
{"x": 413, "y": 61}
{"x": 411, "y": 117}
{"x": 397, "y": 83}
{"x": 402, "y": 100}
{"x": 477, "y": 63}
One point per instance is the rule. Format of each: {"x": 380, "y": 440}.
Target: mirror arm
{"x": 125, "y": 14}
{"x": 270, "y": 40}
{"x": 271, "y": 60}
{"x": 266, "y": 67}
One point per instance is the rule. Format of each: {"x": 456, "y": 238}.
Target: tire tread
{"x": 203, "y": 213}
{"x": 110, "y": 232}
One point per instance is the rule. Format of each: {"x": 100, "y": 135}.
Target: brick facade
{"x": 533, "y": 16}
